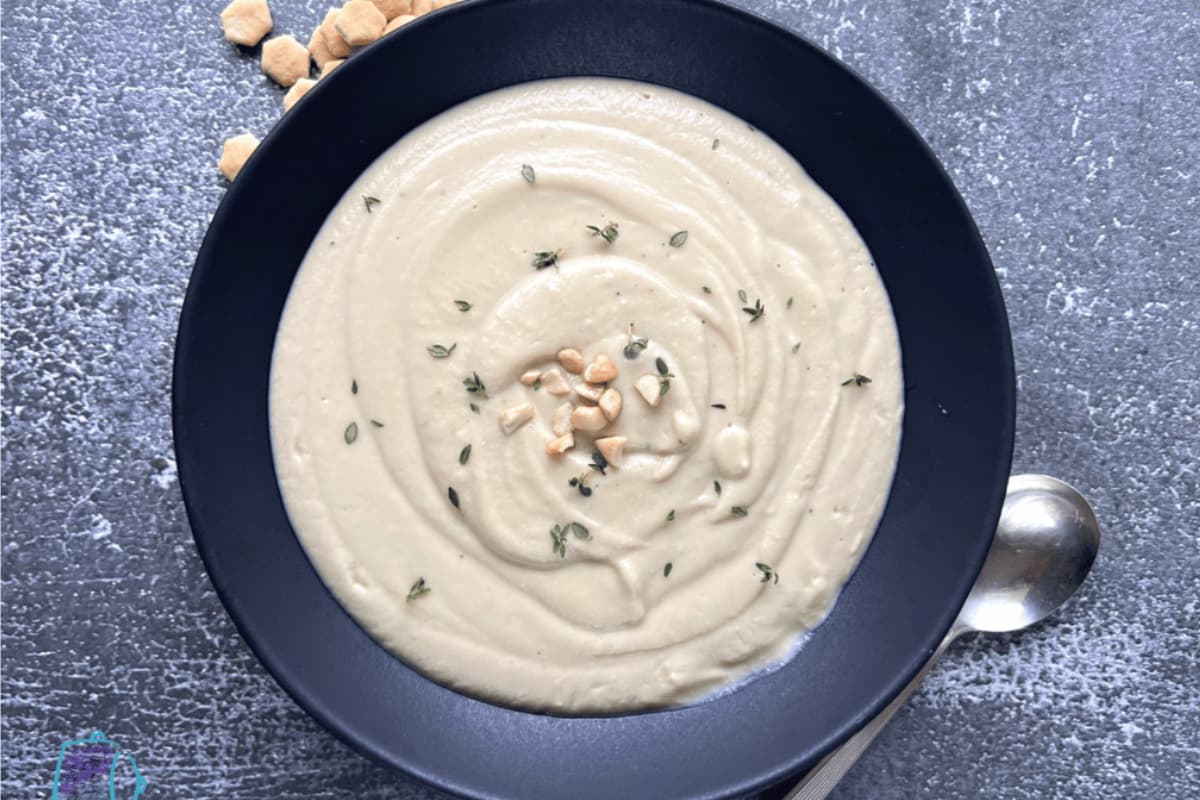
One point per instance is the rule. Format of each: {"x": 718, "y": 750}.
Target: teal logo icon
{"x": 96, "y": 768}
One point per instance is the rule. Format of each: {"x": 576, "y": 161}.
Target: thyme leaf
{"x": 369, "y": 202}
{"x": 608, "y": 233}
{"x": 453, "y": 495}
{"x": 599, "y": 462}
{"x": 717, "y": 487}
{"x": 544, "y": 259}
{"x": 353, "y": 386}
{"x": 558, "y": 541}
{"x": 419, "y": 588}
{"x": 527, "y": 173}
{"x": 351, "y": 433}
{"x": 441, "y": 351}
{"x": 756, "y": 311}
{"x": 475, "y": 386}
{"x": 634, "y": 345}
{"x": 667, "y": 570}
{"x": 377, "y": 423}
{"x": 671, "y": 515}
{"x": 464, "y": 455}
{"x": 768, "y": 572}
{"x": 679, "y": 239}
{"x": 463, "y": 305}
{"x": 857, "y": 380}
{"x": 740, "y": 511}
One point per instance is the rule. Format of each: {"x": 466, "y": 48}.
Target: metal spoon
{"x": 1045, "y": 544}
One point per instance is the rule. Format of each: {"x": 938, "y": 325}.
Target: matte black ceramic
{"x": 958, "y": 426}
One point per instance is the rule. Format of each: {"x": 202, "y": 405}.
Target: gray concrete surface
{"x": 1070, "y": 128}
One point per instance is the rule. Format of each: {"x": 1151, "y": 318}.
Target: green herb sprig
{"x": 475, "y": 386}
{"x": 418, "y": 589}
{"x": 768, "y": 572}
{"x": 857, "y": 380}
{"x": 634, "y": 344}
{"x": 370, "y": 202}
{"x": 756, "y": 311}
{"x": 441, "y": 351}
{"x": 544, "y": 259}
{"x": 608, "y": 233}
{"x": 664, "y": 376}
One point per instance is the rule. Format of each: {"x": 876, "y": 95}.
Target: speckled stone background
{"x": 1070, "y": 128}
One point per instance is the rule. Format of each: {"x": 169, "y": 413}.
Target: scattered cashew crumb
{"x": 589, "y": 391}
{"x": 285, "y": 60}
{"x": 333, "y": 40}
{"x": 589, "y": 419}
{"x": 514, "y": 417}
{"x": 560, "y": 423}
{"x": 554, "y": 383}
{"x": 398, "y": 22}
{"x": 560, "y": 445}
{"x": 648, "y": 388}
{"x": 571, "y": 360}
{"x": 601, "y": 370}
{"x": 360, "y": 22}
{"x": 234, "y": 154}
{"x": 394, "y": 8}
{"x": 612, "y": 448}
{"x": 330, "y": 66}
{"x": 246, "y": 22}
{"x": 610, "y": 403}
{"x": 530, "y": 377}
{"x": 298, "y": 90}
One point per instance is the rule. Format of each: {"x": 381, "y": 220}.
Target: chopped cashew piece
{"x": 246, "y": 22}
{"x": 571, "y": 360}
{"x": 360, "y": 22}
{"x": 394, "y": 8}
{"x": 298, "y": 90}
{"x": 285, "y": 60}
{"x": 234, "y": 154}
{"x": 530, "y": 377}
{"x": 514, "y": 417}
{"x": 560, "y": 423}
{"x": 610, "y": 403}
{"x": 398, "y": 22}
{"x": 330, "y": 65}
{"x": 556, "y": 447}
{"x": 602, "y": 370}
{"x": 589, "y": 391}
{"x": 647, "y": 387}
{"x": 589, "y": 419}
{"x": 612, "y": 448}
{"x": 554, "y": 383}
{"x": 333, "y": 40}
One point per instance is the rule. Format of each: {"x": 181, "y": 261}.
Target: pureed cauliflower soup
{"x": 586, "y": 398}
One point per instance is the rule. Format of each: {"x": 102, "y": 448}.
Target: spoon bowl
{"x": 1045, "y": 544}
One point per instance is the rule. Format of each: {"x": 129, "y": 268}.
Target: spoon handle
{"x": 821, "y": 779}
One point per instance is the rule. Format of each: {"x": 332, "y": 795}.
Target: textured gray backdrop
{"x": 1070, "y": 128}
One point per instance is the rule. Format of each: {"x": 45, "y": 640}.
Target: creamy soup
{"x": 586, "y": 398}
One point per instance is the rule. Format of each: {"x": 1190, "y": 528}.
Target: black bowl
{"x": 944, "y": 503}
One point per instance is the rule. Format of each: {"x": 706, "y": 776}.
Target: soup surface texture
{"x": 423, "y": 398}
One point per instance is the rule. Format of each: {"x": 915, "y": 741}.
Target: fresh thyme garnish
{"x": 717, "y": 487}
{"x": 634, "y": 345}
{"x": 706, "y": 290}
{"x": 757, "y": 311}
{"x": 795, "y": 348}
{"x": 716, "y": 143}
{"x": 353, "y": 386}
{"x": 463, "y": 305}
{"x": 857, "y": 380}
{"x": 740, "y": 511}
{"x": 453, "y": 495}
{"x": 580, "y": 483}
{"x": 475, "y": 386}
{"x": 559, "y": 533}
{"x": 377, "y": 423}
{"x": 419, "y": 588}
{"x": 742, "y": 296}
{"x": 767, "y": 571}
{"x": 719, "y": 405}
{"x": 664, "y": 376}
{"x": 671, "y": 515}
{"x": 544, "y": 259}
{"x": 351, "y": 433}
{"x": 464, "y": 455}
{"x": 527, "y": 173}
{"x": 441, "y": 351}
{"x": 599, "y": 462}
{"x": 679, "y": 239}
{"x": 537, "y": 384}
{"x": 608, "y": 233}
{"x": 474, "y": 407}
{"x": 789, "y": 302}
{"x": 667, "y": 570}
{"x": 369, "y": 202}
